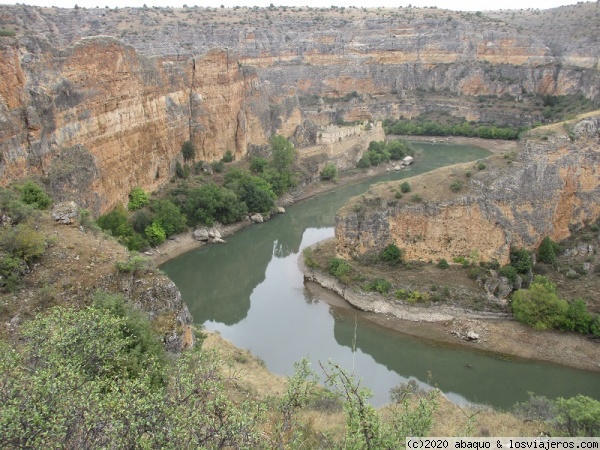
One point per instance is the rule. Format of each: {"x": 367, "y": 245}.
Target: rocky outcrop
{"x": 99, "y": 101}
{"x": 551, "y": 189}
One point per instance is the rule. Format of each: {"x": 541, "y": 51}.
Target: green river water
{"x": 252, "y": 292}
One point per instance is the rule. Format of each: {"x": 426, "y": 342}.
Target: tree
{"x": 188, "y": 151}
{"x": 520, "y": 259}
{"x": 116, "y": 222}
{"x": 284, "y": 154}
{"x": 34, "y": 195}
{"x": 138, "y": 198}
{"x": 391, "y": 254}
{"x": 547, "y": 251}
{"x": 155, "y": 233}
{"x": 168, "y": 216}
{"x": 329, "y": 172}
{"x": 255, "y": 192}
{"x": 540, "y": 306}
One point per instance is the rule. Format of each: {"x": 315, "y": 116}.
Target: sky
{"x": 460, "y": 5}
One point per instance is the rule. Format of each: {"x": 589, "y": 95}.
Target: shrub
{"x": 577, "y": 318}
{"x": 255, "y": 192}
{"x": 456, "y": 186}
{"x": 540, "y": 306}
{"x": 338, "y": 267}
{"x": 11, "y": 270}
{"x": 443, "y": 264}
{"x": 188, "y": 151}
{"x": 179, "y": 172}
{"x": 116, "y": 222}
{"x": 227, "y": 157}
{"x": 137, "y": 199}
{"x": 481, "y": 166}
{"x": 136, "y": 264}
{"x": 520, "y": 259}
{"x": 6, "y": 33}
{"x": 416, "y": 198}
{"x": 391, "y": 254}
{"x": 211, "y": 203}
{"x": 364, "y": 162}
{"x": 258, "y": 164}
{"x": 398, "y": 195}
{"x": 309, "y": 258}
{"x": 547, "y": 251}
{"x": 32, "y": 194}
{"x": 509, "y": 272}
{"x": 405, "y": 187}
{"x": 329, "y": 172}
{"x": 155, "y": 233}
{"x": 578, "y": 416}
{"x": 380, "y": 285}
{"x": 168, "y": 216}
{"x": 137, "y": 242}
{"x": 141, "y": 219}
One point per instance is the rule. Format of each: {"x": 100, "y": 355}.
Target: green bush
{"x": 6, "y": 33}
{"x": 135, "y": 264}
{"x": 481, "y": 166}
{"x": 405, "y": 187}
{"x": 116, "y": 222}
{"x": 443, "y": 264}
{"x": 255, "y": 192}
{"x": 188, "y": 151}
{"x": 141, "y": 219}
{"x": 155, "y": 234}
{"x": 364, "y": 162}
{"x": 227, "y": 157}
{"x": 338, "y": 267}
{"x": 380, "y": 285}
{"x": 578, "y": 416}
{"x": 32, "y": 194}
{"x": 520, "y": 259}
{"x": 391, "y": 254}
{"x": 211, "y": 203}
{"x": 547, "y": 251}
{"x": 509, "y": 272}
{"x": 258, "y": 164}
{"x": 329, "y": 172}
{"x": 416, "y": 198}
{"x": 456, "y": 186}
{"x": 137, "y": 242}
{"x": 138, "y": 198}
{"x": 577, "y": 318}
{"x": 540, "y": 306}
{"x": 11, "y": 271}
{"x": 179, "y": 172}
{"x": 218, "y": 166}
{"x": 168, "y": 216}
{"x": 309, "y": 258}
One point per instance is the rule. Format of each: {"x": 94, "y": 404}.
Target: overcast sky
{"x": 461, "y": 5}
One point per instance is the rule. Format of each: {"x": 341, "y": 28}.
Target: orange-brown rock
{"x": 551, "y": 189}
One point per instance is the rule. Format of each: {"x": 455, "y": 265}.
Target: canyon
{"x": 99, "y": 101}
{"x": 548, "y": 187}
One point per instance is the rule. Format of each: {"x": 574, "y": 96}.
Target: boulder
{"x": 472, "y": 336}
{"x": 281, "y": 210}
{"x": 201, "y": 234}
{"x": 65, "y": 212}
{"x": 257, "y": 218}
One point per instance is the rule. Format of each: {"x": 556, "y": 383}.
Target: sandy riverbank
{"x": 184, "y": 242}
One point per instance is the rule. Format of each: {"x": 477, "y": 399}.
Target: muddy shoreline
{"x": 498, "y": 334}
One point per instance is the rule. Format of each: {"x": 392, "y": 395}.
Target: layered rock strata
{"x": 550, "y": 189}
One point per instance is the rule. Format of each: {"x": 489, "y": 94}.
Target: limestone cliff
{"x": 102, "y": 109}
{"x": 100, "y": 100}
{"x": 551, "y": 188}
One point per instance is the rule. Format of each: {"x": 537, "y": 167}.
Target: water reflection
{"x": 251, "y": 291}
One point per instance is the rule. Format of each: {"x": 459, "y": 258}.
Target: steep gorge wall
{"x": 98, "y": 116}
{"x": 102, "y": 109}
{"x": 552, "y": 188}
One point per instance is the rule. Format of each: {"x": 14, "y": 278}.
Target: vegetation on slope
{"x": 203, "y": 194}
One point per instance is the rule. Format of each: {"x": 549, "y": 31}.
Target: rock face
{"x": 100, "y": 101}
{"x": 552, "y": 188}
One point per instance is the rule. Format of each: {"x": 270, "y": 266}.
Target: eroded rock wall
{"x": 126, "y": 115}
{"x": 552, "y": 188}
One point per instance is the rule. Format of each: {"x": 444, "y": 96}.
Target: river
{"x": 251, "y": 291}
